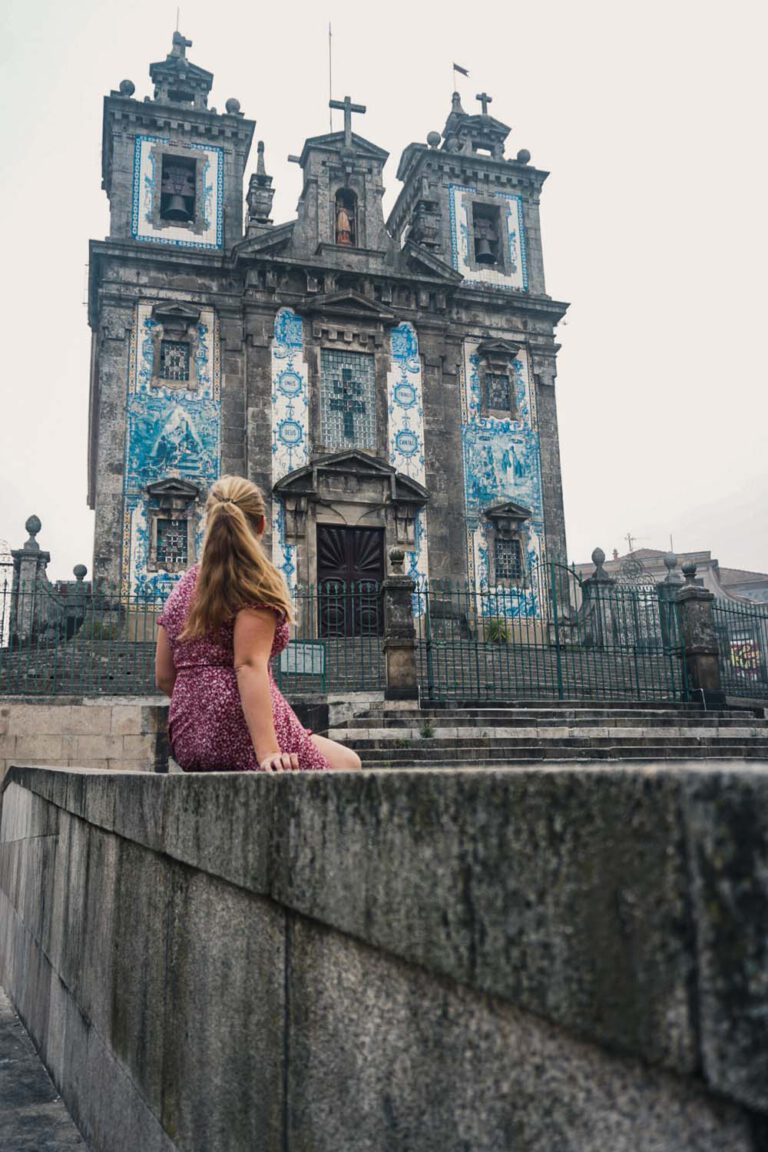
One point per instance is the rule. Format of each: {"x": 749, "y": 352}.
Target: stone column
{"x": 701, "y": 650}
{"x": 596, "y": 608}
{"x": 29, "y": 565}
{"x": 399, "y": 631}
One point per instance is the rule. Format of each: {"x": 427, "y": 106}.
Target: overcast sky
{"x": 651, "y": 119}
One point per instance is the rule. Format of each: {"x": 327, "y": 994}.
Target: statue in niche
{"x": 345, "y": 218}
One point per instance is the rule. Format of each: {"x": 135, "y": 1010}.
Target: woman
{"x": 223, "y": 623}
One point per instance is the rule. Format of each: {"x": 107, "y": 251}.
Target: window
{"x": 347, "y": 399}
{"x": 346, "y": 217}
{"x": 178, "y": 189}
{"x": 498, "y": 391}
{"x": 508, "y": 559}
{"x": 486, "y": 223}
{"x": 174, "y": 360}
{"x": 171, "y": 549}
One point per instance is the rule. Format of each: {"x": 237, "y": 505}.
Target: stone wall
{"x": 544, "y": 959}
{"x": 105, "y": 732}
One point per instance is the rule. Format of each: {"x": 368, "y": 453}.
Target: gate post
{"x": 399, "y": 631}
{"x": 700, "y": 648}
{"x": 596, "y": 604}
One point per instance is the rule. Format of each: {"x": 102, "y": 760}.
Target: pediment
{"x": 493, "y": 348}
{"x": 509, "y": 510}
{"x": 334, "y": 142}
{"x": 350, "y": 304}
{"x": 308, "y": 481}
{"x": 267, "y": 241}
{"x": 166, "y": 313}
{"x": 173, "y": 487}
{"x": 425, "y": 261}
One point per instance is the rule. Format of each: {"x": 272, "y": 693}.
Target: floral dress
{"x": 206, "y": 721}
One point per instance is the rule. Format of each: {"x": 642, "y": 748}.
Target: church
{"x": 386, "y": 382}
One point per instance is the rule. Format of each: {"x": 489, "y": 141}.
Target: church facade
{"x": 386, "y": 383}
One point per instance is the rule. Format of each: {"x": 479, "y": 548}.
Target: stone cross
{"x": 485, "y": 100}
{"x": 346, "y": 400}
{"x": 347, "y": 107}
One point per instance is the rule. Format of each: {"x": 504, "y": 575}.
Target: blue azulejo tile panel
{"x": 502, "y": 462}
{"x": 405, "y": 430}
{"x": 290, "y": 424}
{"x": 206, "y": 165}
{"x": 511, "y": 272}
{"x": 173, "y": 432}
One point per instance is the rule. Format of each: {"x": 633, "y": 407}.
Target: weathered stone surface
{"x": 32, "y": 1116}
{"x": 727, "y": 816}
{"x": 158, "y": 922}
{"x": 383, "y": 1055}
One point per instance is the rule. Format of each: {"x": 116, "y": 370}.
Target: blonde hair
{"x": 235, "y": 571}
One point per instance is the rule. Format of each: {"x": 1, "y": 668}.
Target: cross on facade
{"x": 347, "y": 107}
{"x": 346, "y": 390}
{"x": 485, "y": 100}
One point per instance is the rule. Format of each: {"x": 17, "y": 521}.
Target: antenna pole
{"x": 178, "y": 13}
{"x": 330, "y": 73}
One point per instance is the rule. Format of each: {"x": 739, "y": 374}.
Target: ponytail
{"x": 235, "y": 571}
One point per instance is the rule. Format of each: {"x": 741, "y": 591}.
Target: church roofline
{"x": 334, "y": 142}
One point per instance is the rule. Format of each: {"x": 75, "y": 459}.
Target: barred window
{"x": 348, "y": 399}
{"x": 509, "y": 559}
{"x": 174, "y": 360}
{"x": 172, "y": 542}
{"x": 498, "y": 391}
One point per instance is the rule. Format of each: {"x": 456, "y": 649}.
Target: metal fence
{"x": 742, "y": 633}
{"x": 555, "y": 637}
{"x": 97, "y": 645}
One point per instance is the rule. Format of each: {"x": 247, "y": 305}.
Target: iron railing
{"x": 553, "y": 637}
{"x": 742, "y": 633}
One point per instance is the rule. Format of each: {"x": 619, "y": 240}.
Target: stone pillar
{"x": 667, "y": 592}
{"x": 399, "y": 631}
{"x": 700, "y": 650}
{"x": 596, "y": 608}
{"x": 29, "y": 565}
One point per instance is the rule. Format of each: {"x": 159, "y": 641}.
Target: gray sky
{"x": 650, "y": 118}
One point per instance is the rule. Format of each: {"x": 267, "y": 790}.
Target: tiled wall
{"x": 146, "y": 191}
{"x": 172, "y": 432}
{"x": 501, "y": 462}
{"x": 290, "y": 423}
{"x": 405, "y": 415}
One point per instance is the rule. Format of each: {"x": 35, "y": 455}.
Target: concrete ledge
{"x": 339, "y": 930}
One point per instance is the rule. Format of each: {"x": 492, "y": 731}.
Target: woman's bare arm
{"x": 254, "y": 634}
{"x": 165, "y": 669}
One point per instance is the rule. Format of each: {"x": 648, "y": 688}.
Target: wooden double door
{"x": 350, "y": 570}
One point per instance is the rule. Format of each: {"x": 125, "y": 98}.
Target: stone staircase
{"x": 394, "y": 736}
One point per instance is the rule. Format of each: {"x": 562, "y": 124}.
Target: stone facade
{"x": 391, "y": 376}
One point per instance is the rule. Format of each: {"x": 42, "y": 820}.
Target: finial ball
{"x": 80, "y": 572}
{"x": 670, "y": 561}
{"x": 232, "y": 106}
{"x": 127, "y": 88}
{"x": 524, "y": 156}
{"x": 33, "y": 525}
{"x": 433, "y": 139}
{"x": 598, "y": 557}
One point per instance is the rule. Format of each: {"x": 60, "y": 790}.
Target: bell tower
{"x": 171, "y": 166}
{"x": 341, "y": 202}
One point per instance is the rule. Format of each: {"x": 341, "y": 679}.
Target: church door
{"x": 350, "y": 569}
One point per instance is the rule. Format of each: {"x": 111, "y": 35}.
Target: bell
{"x": 483, "y": 252}
{"x": 177, "y": 209}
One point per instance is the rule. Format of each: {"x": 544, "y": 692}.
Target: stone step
{"x": 428, "y": 750}
{"x": 365, "y": 737}
{"x": 533, "y": 755}
{"x": 511, "y": 721}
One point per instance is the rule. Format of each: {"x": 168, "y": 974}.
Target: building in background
{"x": 650, "y": 566}
{"x": 385, "y": 382}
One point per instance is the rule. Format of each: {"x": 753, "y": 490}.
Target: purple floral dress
{"x": 207, "y": 726}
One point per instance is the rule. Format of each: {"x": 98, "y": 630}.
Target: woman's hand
{"x": 280, "y": 762}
